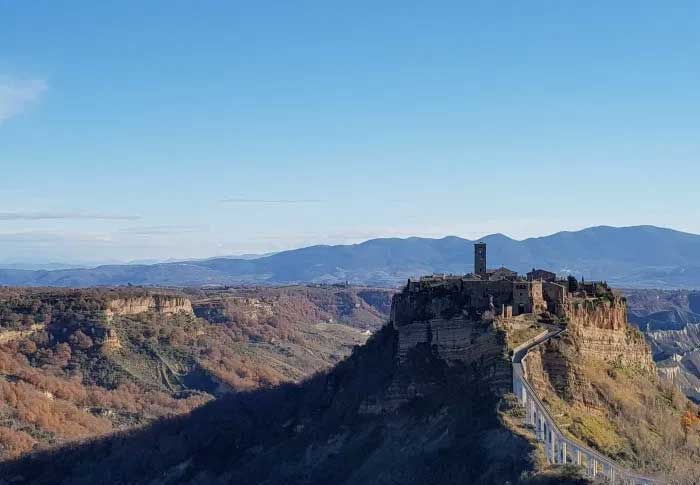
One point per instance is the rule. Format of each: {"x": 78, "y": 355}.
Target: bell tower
{"x": 480, "y": 258}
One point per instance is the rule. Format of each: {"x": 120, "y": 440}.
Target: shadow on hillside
{"x": 216, "y": 435}
{"x": 313, "y": 433}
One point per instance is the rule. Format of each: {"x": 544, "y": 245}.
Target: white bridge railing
{"x": 559, "y": 448}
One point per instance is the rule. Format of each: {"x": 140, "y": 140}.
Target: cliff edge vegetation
{"x": 600, "y": 384}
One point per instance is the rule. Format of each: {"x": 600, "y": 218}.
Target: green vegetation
{"x": 519, "y": 331}
{"x": 624, "y": 412}
{"x": 598, "y": 431}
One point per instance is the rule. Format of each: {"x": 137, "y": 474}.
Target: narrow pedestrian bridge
{"x": 559, "y": 448}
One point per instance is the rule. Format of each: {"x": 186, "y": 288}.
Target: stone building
{"x": 528, "y": 297}
{"x": 501, "y": 273}
{"x": 499, "y": 291}
{"x": 556, "y": 294}
{"x": 541, "y": 274}
{"x": 502, "y": 297}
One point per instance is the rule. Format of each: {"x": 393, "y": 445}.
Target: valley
{"x": 357, "y": 243}
{"x": 670, "y": 321}
{"x": 76, "y": 364}
{"x": 273, "y": 385}
{"x": 79, "y": 365}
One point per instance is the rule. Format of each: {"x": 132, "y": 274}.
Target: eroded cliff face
{"x": 597, "y": 334}
{"x": 164, "y": 304}
{"x": 677, "y": 354}
{"x": 598, "y": 329}
{"x": 554, "y": 369}
{"x": 670, "y": 321}
{"x": 437, "y": 328}
{"x": 599, "y": 383}
{"x": 448, "y": 326}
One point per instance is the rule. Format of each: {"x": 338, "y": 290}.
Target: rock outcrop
{"x": 164, "y": 304}
{"x": 439, "y": 327}
{"x": 598, "y": 329}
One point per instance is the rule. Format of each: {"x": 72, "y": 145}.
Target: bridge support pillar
{"x": 589, "y": 471}
{"x": 553, "y": 442}
{"x": 563, "y": 452}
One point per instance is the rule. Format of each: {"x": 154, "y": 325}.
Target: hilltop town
{"x": 505, "y": 293}
{"x": 589, "y": 389}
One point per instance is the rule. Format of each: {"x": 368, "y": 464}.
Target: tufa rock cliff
{"x": 597, "y": 333}
{"x": 163, "y": 304}
{"x": 598, "y": 329}
{"x": 440, "y": 325}
{"x": 600, "y": 384}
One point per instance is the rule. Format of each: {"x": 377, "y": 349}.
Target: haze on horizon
{"x": 162, "y": 131}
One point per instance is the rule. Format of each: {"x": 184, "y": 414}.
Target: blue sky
{"x": 173, "y": 129}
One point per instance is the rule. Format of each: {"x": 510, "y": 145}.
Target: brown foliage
{"x": 14, "y": 443}
{"x": 65, "y": 383}
{"x": 80, "y": 340}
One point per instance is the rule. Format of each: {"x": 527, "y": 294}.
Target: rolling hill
{"x": 639, "y": 256}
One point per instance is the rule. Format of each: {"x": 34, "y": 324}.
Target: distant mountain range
{"x": 639, "y": 256}
{"x": 54, "y": 265}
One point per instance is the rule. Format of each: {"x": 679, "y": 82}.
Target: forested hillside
{"x": 81, "y": 363}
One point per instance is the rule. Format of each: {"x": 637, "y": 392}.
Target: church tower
{"x": 480, "y": 258}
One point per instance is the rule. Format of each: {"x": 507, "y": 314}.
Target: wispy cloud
{"x": 44, "y": 216}
{"x": 165, "y": 230}
{"x": 52, "y": 238}
{"x": 16, "y": 95}
{"x": 241, "y": 200}
{"x": 29, "y": 237}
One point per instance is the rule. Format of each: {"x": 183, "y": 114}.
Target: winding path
{"x": 559, "y": 448}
